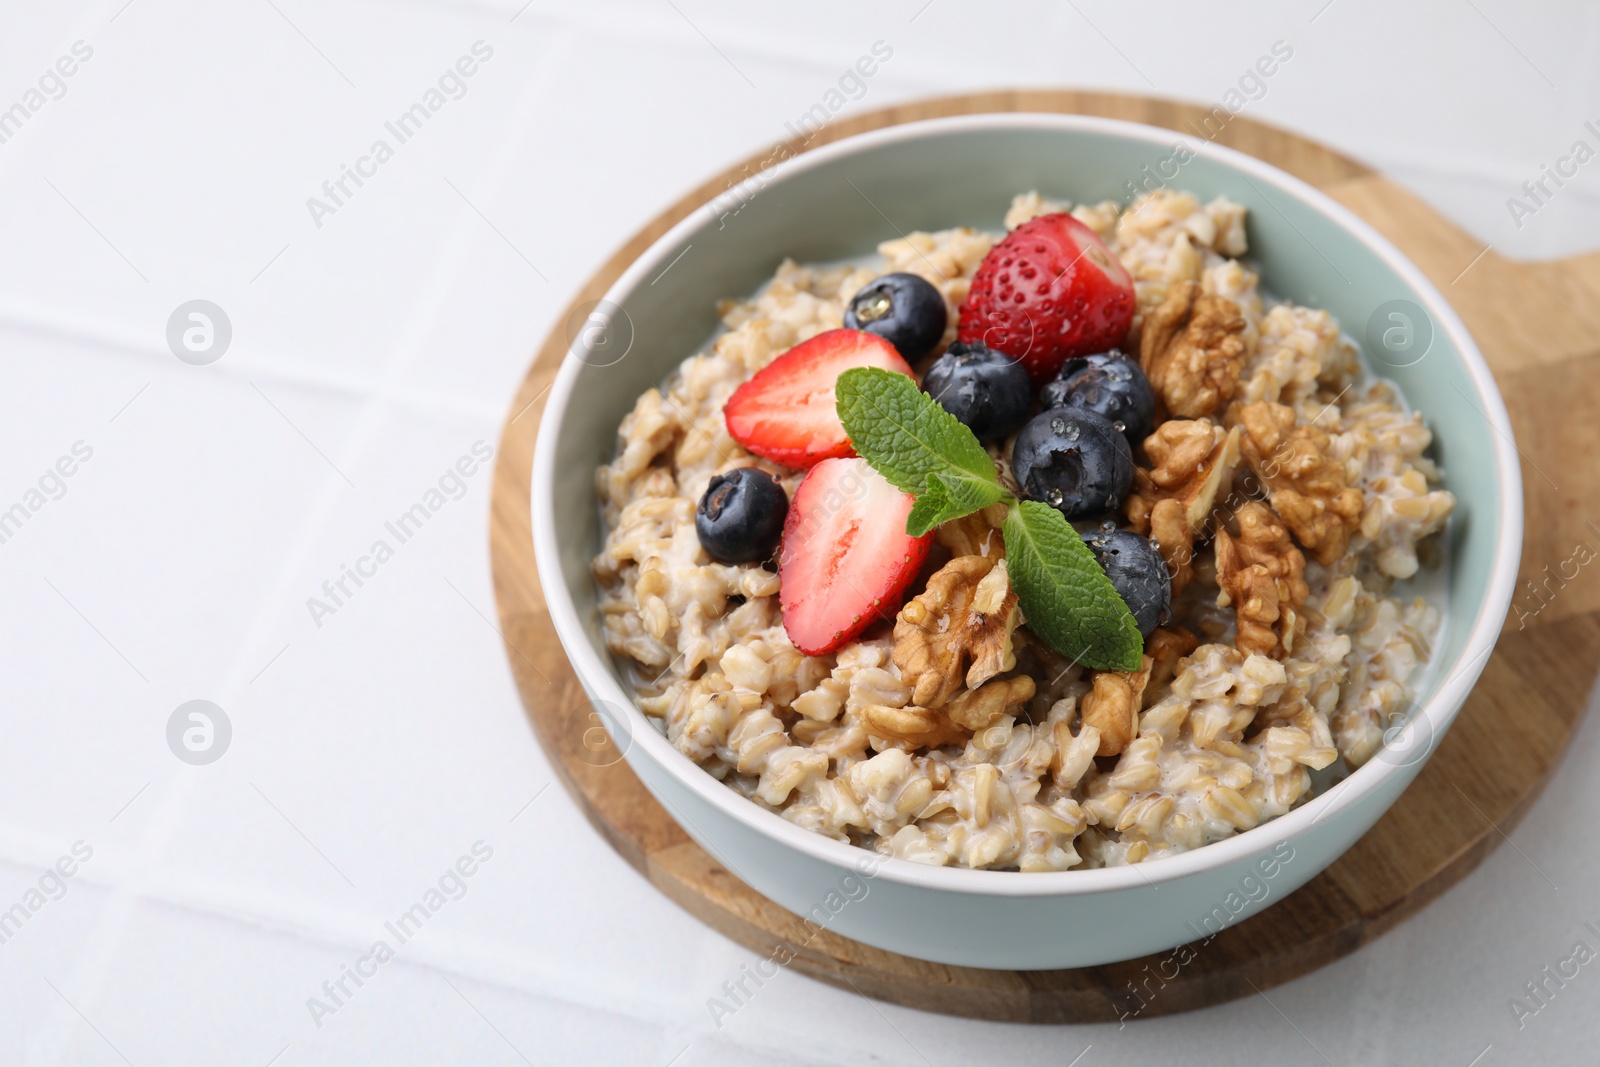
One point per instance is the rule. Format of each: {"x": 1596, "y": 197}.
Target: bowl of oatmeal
{"x": 1006, "y": 566}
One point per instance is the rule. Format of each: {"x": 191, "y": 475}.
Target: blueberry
{"x": 1109, "y": 383}
{"x": 987, "y": 390}
{"x": 1137, "y": 571}
{"x": 740, "y": 517}
{"x": 1074, "y": 460}
{"x": 903, "y": 309}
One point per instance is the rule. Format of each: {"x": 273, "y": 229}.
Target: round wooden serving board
{"x": 1539, "y": 326}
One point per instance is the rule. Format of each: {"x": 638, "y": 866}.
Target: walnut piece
{"x": 1112, "y": 707}
{"x": 977, "y": 534}
{"x": 1192, "y": 461}
{"x": 966, "y": 615}
{"x": 1166, "y": 646}
{"x": 918, "y": 727}
{"x": 1308, "y": 487}
{"x": 977, "y": 708}
{"x": 1174, "y": 539}
{"x": 1262, "y": 575}
{"x": 968, "y": 711}
{"x": 1192, "y": 349}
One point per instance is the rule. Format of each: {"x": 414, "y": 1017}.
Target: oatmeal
{"x": 1283, "y": 490}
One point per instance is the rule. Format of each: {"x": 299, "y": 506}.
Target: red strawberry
{"x": 1050, "y": 290}
{"x": 846, "y": 558}
{"x": 786, "y": 412}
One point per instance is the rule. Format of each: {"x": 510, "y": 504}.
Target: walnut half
{"x": 1308, "y": 487}
{"x": 957, "y": 631}
{"x": 1262, "y": 575}
{"x": 1192, "y": 349}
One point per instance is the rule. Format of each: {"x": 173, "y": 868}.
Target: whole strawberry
{"x": 1050, "y": 290}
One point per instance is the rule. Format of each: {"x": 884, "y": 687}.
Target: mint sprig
{"x": 922, "y": 449}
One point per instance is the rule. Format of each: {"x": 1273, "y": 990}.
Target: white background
{"x": 371, "y": 352}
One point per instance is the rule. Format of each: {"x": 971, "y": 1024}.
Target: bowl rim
{"x": 1428, "y": 725}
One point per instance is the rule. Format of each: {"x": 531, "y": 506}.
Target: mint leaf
{"x": 1065, "y": 596}
{"x": 945, "y": 497}
{"x": 932, "y": 508}
{"x": 906, "y": 436}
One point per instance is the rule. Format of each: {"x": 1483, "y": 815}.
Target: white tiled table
{"x": 371, "y": 751}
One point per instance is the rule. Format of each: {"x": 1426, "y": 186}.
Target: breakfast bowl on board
{"x": 1172, "y": 598}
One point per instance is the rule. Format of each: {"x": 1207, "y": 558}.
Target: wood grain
{"x": 1539, "y": 326}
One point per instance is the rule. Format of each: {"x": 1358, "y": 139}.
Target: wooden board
{"x": 1539, "y": 326}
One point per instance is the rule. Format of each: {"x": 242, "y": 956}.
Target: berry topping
{"x": 846, "y": 558}
{"x": 786, "y": 412}
{"x": 740, "y": 517}
{"x": 903, "y": 309}
{"x": 987, "y": 390}
{"x": 1108, "y": 383}
{"x": 1074, "y": 460}
{"x": 1136, "y": 571}
{"x": 1048, "y": 291}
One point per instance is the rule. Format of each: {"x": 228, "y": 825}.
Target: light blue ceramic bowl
{"x": 842, "y": 200}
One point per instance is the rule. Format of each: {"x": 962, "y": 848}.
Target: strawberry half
{"x": 1050, "y": 290}
{"x": 786, "y": 412}
{"x": 846, "y": 558}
